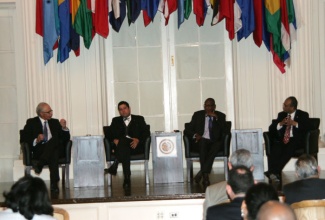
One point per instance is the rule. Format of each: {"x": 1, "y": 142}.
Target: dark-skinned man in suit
{"x": 207, "y": 128}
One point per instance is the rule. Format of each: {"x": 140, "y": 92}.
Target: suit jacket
{"x": 226, "y": 211}
{"x": 298, "y": 133}
{"x": 198, "y": 121}
{"x": 34, "y": 127}
{"x": 306, "y": 189}
{"x": 215, "y": 194}
{"x": 137, "y": 128}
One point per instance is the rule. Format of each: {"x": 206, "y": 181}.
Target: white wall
{"x": 84, "y": 90}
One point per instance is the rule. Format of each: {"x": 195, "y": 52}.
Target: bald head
{"x": 274, "y": 210}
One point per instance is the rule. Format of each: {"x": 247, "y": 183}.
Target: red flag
{"x": 146, "y": 18}
{"x": 39, "y": 17}
{"x": 226, "y": 10}
{"x": 198, "y": 10}
{"x": 100, "y": 18}
{"x": 258, "y": 32}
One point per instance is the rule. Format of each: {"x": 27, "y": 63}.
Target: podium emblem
{"x": 166, "y": 146}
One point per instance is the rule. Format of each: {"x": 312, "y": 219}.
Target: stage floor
{"x": 139, "y": 191}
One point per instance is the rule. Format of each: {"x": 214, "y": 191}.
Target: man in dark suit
{"x": 287, "y": 133}
{"x": 46, "y": 136}
{"x": 240, "y": 180}
{"x": 128, "y": 132}
{"x": 309, "y": 186}
{"x": 207, "y": 128}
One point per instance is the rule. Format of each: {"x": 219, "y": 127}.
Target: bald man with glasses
{"x": 46, "y": 136}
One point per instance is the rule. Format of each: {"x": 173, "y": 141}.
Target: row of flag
{"x": 62, "y": 22}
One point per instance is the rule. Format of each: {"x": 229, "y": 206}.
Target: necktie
{"x": 45, "y": 133}
{"x": 286, "y": 137}
{"x": 210, "y": 127}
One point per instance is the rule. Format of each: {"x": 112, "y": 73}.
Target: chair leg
{"x": 225, "y": 166}
{"x": 109, "y": 176}
{"x": 27, "y": 170}
{"x": 67, "y": 175}
{"x": 146, "y": 168}
{"x": 63, "y": 175}
{"x": 189, "y": 168}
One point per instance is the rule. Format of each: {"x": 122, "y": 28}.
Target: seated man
{"x": 207, "y": 127}
{"x": 240, "y": 180}
{"x": 128, "y": 132}
{"x": 275, "y": 210}
{"x": 46, "y": 136}
{"x": 309, "y": 186}
{"x": 287, "y": 134}
{"x": 216, "y": 193}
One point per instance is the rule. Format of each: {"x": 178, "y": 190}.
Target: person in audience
{"x": 309, "y": 186}
{"x": 274, "y": 210}
{"x": 216, "y": 193}
{"x": 27, "y": 199}
{"x": 207, "y": 128}
{"x": 128, "y": 133}
{"x": 46, "y": 136}
{"x": 240, "y": 180}
{"x": 287, "y": 133}
{"x": 255, "y": 197}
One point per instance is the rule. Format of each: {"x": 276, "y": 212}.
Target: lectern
{"x": 167, "y": 157}
{"x": 88, "y": 161}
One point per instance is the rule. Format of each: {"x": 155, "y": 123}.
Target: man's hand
{"x": 292, "y": 122}
{"x": 212, "y": 114}
{"x": 116, "y": 141}
{"x": 40, "y": 138}
{"x": 63, "y": 123}
{"x": 197, "y": 138}
{"x": 134, "y": 143}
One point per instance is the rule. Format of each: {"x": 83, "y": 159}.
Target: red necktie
{"x": 286, "y": 137}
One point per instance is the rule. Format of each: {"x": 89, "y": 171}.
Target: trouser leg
{"x": 208, "y": 151}
{"x": 123, "y": 151}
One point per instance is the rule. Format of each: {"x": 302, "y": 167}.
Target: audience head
{"x": 124, "y": 109}
{"x": 274, "y": 210}
{"x": 209, "y": 105}
{"x": 290, "y": 104}
{"x": 44, "y": 111}
{"x": 306, "y": 167}
{"x": 29, "y": 196}
{"x": 240, "y": 180}
{"x": 255, "y": 197}
{"x": 241, "y": 157}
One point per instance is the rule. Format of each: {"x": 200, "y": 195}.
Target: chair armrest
{"x": 186, "y": 146}
{"x": 108, "y": 149}
{"x": 226, "y": 144}
{"x": 67, "y": 152}
{"x": 311, "y": 141}
{"x": 267, "y": 142}
{"x": 27, "y": 154}
{"x": 147, "y": 148}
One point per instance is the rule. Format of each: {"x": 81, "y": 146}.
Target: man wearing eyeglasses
{"x": 46, "y": 136}
{"x": 207, "y": 128}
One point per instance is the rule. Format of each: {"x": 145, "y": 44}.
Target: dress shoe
{"x": 54, "y": 187}
{"x": 206, "y": 180}
{"x": 112, "y": 169}
{"x": 38, "y": 167}
{"x": 127, "y": 182}
{"x": 198, "y": 177}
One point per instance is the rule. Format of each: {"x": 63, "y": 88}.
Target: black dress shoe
{"x": 54, "y": 187}
{"x": 206, "y": 180}
{"x": 127, "y": 182}
{"x": 38, "y": 167}
{"x": 112, "y": 169}
{"x": 198, "y": 177}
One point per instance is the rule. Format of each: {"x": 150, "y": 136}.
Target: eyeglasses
{"x": 48, "y": 112}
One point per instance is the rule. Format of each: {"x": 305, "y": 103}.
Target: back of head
{"x": 306, "y": 167}
{"x": 240, "y": 179}
{"x": 29, "y": 196}
{"x": 241, "y": 157}
{"x": 257, "y": 195}
{"x": 274, "y": 210}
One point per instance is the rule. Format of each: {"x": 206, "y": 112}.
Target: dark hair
{"x": 29, "y": 196}
{"x": 240, "y": 179}
{"x": 257, "y": 195}
{"x": 210, "y": 100}
{"x": 123, "y": 103}
{"x": 294, "y": 102}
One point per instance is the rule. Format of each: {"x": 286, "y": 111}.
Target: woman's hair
{"x": 256, "y": 196}
{"x": 29, "y": 196}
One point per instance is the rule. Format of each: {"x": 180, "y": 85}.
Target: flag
{"x": 133, "y": 10}
{"x": 100, "y": 18}
{"x": 64, "y": 18}
{"x": 39, "y": 17}
{"x": 265, "y": 34}
{"x": 180, "y": 12}
{"x": 74, "y": 5}
{"x": 258, "y": 14}
{"x": 285, "y": 30}
{"x": 167, "y": 7}
{"x": 74, "y": 41}
{"x": 187, "y": 8}
{"x": 247, "y": 18}
{"x": 50, "y": 34}
{"x": 200, "y": 8}
{"x": 117, "y": 22}
{"x": 83, "y": 23}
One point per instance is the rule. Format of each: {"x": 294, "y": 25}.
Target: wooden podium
{"x": 167, "y": 157}
{"x": 88, "y": 161}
